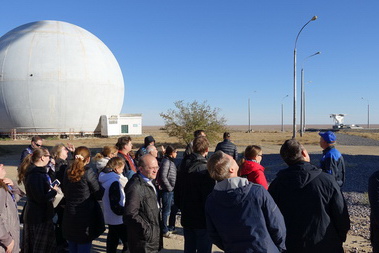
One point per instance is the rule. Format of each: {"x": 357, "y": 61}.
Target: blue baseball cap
{"x": 328, "y": 136}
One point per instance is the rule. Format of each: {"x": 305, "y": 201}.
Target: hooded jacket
{"x": 243, "y": 217}
{"x": 254, "y": 173}
{"x": 313, "y": 207}
{"x": 114, "y": 197}
{"x": 101, "y": 163}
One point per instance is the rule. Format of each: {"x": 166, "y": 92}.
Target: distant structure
{"x": 56, "y": 77}
{"x": 338, "y": 120}
{"x": 122, "y": 124}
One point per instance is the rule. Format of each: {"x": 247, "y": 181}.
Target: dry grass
{"x": 238, "y": 136}
{"x": 369, "y": 135}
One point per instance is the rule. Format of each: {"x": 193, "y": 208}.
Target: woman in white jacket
{"x": 113, "y": 181}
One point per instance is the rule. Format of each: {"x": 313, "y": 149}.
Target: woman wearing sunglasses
{"x": 38, "y": 233}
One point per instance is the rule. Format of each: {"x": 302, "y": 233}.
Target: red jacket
{"x": 254, "y": 173}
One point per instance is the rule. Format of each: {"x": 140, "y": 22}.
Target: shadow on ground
{"x": 358, "y": 169}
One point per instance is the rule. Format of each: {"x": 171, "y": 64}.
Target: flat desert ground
{"x": 361, "y": 162}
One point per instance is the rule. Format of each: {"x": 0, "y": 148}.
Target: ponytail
{"x": 23, "y": 167}
{"x": 106, "y": 152}
{"x": 77, "y": 168}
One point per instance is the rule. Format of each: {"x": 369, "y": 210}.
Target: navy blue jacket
{"x": 332, "y": 163}
{"x": 228, "y": 147}
{"x": 245, "y": 219}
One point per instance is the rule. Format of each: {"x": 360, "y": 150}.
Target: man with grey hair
{"x": 311, "y": 202}
{"x": 152, "y": 150}
{"x": 241, "y": 216}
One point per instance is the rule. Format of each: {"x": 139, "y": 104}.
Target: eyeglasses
{"x": 152, "y": 168}
{"x": 48, "y": 156}
{"x": 38, "y": 145}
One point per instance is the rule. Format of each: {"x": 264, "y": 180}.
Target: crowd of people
{"x": 224, "y": 198}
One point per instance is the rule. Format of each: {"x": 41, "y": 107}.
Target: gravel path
{"x": 353, "y": 140}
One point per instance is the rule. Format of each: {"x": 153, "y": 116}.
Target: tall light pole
{"x": 282, "y": 113}
{"x": 368, "y": 112}
{"x": 248, "y": 112}
{"x": 249, "y": 115}
{"x": 294, "y": 78}
{"x": 302, "y": 96}
{"x": 305, "y": 109}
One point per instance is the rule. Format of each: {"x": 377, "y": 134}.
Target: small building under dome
{"x": 123, "y": 124}
{"x": 56, "y": 77}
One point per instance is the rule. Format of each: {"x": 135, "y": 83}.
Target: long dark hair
{"x": 28, "y": 160}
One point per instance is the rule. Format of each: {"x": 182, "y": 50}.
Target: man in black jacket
{"x": 141, "y": 214}
{"x": 311, "y": 202}
{"x": 228, "y": 147}
{"x": 192, "y": 188}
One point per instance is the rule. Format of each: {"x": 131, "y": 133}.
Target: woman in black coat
{"x": 83, "y": 219}
{"x": 38, "y": 233}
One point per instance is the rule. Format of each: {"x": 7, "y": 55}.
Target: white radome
{"x": 56, "y": 77}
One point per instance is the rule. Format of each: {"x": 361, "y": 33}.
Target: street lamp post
{"x": 294, "y": 78}
{"x": 305, "y": 109}
{"x": 249, "y": 114}
{"x": 302, "y": 97}
{"x": 282, "y": 113}
{"x": 248, "y": 109}
{"x": 368, "y": 112}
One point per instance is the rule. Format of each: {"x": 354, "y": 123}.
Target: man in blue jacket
{"x": 241, "y": 216}
{"x": 332, "y": 161}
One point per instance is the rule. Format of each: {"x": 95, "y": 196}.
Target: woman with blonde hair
{"x": 83, "y": 219}
{"x": 9, "y": 221}
{"x": 113, "y": 181}
{"x": 61, "y": 153}
{"x": 251, "y": 168}
{"x": 101, "y": 159}
{"x": 38, "y": 232}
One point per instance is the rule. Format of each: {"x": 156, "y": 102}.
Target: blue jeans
{"x": 79, "y": 248}
{"x": 196, "y": 241}
{"x": 167, "y": 202}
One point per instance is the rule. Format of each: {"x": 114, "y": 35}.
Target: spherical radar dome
{"x": 56, "y": 77}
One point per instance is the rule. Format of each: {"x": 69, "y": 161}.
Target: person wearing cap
{"x": 332, "y": 161}
{"x": 228, "y": 147}
{"x": 149, "y": 140}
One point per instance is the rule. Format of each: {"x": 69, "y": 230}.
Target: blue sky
{"x": 226, "y": 52}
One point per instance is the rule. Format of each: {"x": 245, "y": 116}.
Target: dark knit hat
{"x": 148, "y": 140}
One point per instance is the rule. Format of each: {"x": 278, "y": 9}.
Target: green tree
{"x": 182, "y": 121}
